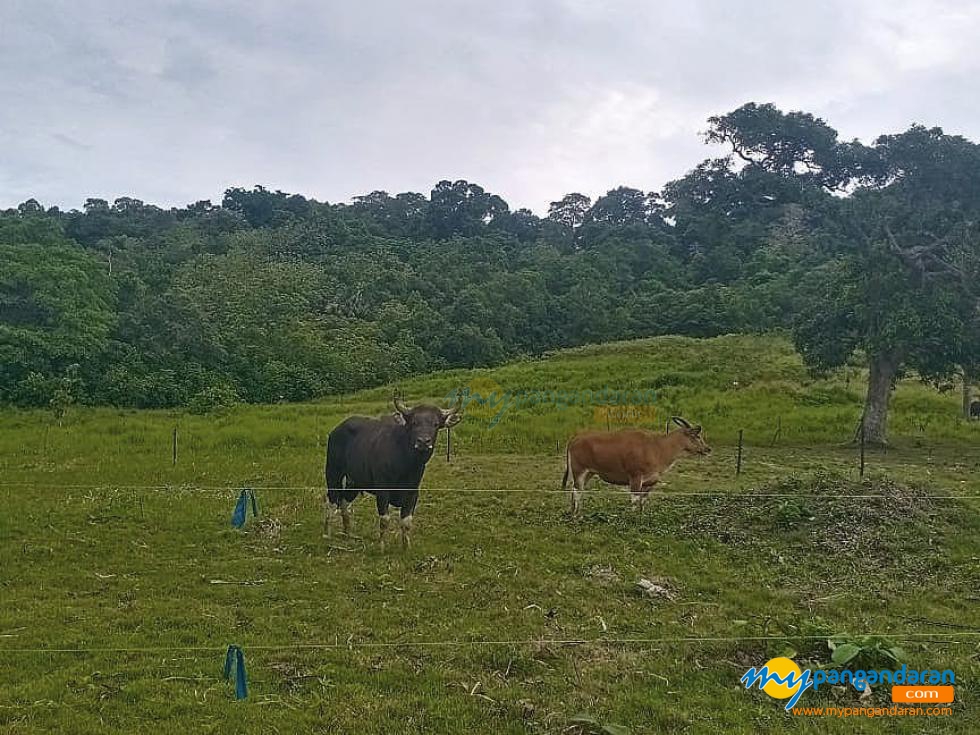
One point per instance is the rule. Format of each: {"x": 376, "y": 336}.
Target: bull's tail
{"x": 335, "y": 481}
{"x": 334, "y": 471}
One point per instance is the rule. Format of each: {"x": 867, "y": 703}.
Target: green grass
{"x": 92, "y": 557}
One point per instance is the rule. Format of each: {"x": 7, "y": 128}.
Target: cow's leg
{"x": 639, "y": 498}
{"x": 384, "y": 519}
{"x": 578, "y": 486}
{"x": 647, "y": 487}
{"x": 636, "y": 492}
{"x": 408, "y": 510}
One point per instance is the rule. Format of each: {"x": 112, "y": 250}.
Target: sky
{"x": 172, "y": 102}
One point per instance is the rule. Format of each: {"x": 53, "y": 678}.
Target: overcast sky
{"x": 172, "y": 102}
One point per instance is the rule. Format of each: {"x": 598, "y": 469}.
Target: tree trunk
{"x": 881, "y": 377}
{"x": 967, "y": 392}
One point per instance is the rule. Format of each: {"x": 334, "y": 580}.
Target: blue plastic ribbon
{"x": 241, "y": 508}
{"x": 235, "y": 659}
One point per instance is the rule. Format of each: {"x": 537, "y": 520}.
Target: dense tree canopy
{"x": 273, "y": 296}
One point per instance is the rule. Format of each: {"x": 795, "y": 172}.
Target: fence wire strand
{"x": 352, "y": 645}
{"x": 748, "y": 495}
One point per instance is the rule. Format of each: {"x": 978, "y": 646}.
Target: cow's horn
{"x": 399, "y": 406}
{"x": 680, "y": 422}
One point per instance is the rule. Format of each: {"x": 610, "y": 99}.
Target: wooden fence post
{"x": 738, "y": 460}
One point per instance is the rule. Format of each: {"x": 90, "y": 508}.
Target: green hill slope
{"x": 754, "y": 383}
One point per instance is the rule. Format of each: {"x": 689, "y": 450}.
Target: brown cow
{"x": 634, "y": 457}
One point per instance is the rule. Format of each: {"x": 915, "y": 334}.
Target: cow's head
{"x": 694, "y": 442}
{"x": 424, "y": 422}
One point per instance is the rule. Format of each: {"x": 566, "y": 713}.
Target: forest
{"x": 859, "y": 251}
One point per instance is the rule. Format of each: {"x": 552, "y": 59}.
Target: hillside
{"x": 691, "y": 377}
{"x": 728, "y": 383}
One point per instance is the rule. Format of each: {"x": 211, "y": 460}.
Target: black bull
{"x": 385, "y": 457}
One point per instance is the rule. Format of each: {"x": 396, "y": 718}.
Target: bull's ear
{"x": 399, "y": 419}
{"x": 452, "y": 419}
{"x": 697, "y": 430}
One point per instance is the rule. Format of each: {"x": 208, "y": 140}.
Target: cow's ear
{"x": 697, "y": 430}
{"x": 399, "y": 419}
{"x": 452, "y": 419}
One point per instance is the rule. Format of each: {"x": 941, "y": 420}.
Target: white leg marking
{"x": 345, "y": 514}
{"x": 406, "y": 524}
{"x": 578, "y": 486}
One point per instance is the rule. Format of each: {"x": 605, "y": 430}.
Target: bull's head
{"x": 424, "y": 422}
{"x": 694, "y": 442}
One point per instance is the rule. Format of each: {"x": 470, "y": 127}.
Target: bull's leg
{"x": 408, "y": 510}
{"x": 406, "y": 526}
{"x": 384, "y": 519}
{"x": 345, "y": 514}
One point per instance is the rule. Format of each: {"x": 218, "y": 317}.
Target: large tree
{"x": 895, "y": 236}
{"x": 462, "y": 208}
{"x": 899, "y": 286}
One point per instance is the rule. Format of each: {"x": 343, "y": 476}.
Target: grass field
{"x": 507, "y": 615}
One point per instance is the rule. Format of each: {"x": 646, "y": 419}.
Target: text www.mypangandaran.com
{"x": 873, "y": 711}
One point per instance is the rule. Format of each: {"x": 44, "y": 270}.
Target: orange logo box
{"x": 923, "y": 695}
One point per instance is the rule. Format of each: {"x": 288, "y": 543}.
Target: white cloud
{"x": 174, "y": 101}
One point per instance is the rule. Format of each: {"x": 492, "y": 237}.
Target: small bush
{"x": 214, "y": 399}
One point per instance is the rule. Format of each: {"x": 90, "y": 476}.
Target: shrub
{"x": 213, "y": 399}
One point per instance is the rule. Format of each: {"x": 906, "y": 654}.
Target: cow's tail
{"x": 568, "y": 467}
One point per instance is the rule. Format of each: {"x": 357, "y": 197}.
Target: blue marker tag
{"x": 241, "y": 508}
{"x": 235, "y": 659}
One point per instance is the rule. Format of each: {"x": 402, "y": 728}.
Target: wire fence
{"x": 429, "y": 491}
{"x": 948, "y": 634}
{"x": 959, "y": 638}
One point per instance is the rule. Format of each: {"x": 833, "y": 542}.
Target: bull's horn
{"x": 456, "y": 408}
{"x": 399, "y": 406}
{"x": 680, "y": 422}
